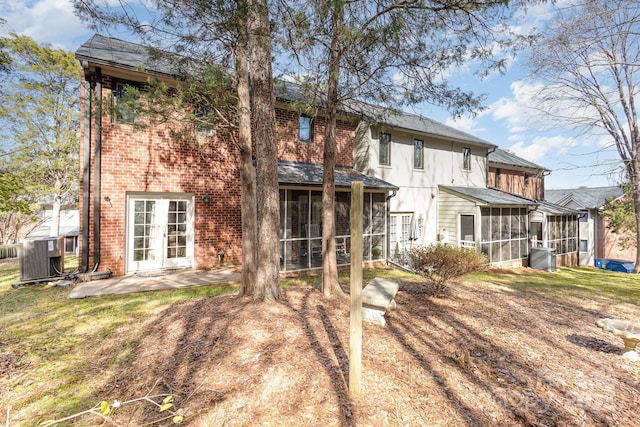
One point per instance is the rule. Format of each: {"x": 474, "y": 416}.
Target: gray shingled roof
{"x": 413, "y": 123}
{"x": 503, "y": 157}
{"x": 585, "y": 198}
{"x": 490, "y": 196}
{"x": 108, "y": 51}
{"x": 122, "y": 54}
{"x": 553, "y": 209}
{"x": 307, "y": 174}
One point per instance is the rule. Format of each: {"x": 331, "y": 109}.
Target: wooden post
{"x": 355, "y": 331}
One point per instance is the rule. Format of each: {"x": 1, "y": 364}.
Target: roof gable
{"x": 584, "y": 198}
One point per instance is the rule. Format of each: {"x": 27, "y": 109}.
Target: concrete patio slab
{"x": 153, "y": 282}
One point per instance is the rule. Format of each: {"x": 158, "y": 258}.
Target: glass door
{"x": 160, "y": 232}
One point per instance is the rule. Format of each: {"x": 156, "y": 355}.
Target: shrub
{"x": 441, "y": 263}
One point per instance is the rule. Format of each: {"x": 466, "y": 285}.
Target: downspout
{"x": 486, "y": 167}
{"x": 97, "y": 168}
{"x": 596, "y": 237}
{"x": 86, "y": 168}
{"x": 387, "y": 238}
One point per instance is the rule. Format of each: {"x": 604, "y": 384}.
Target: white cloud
{"x": 542, "y": 146}
{"x": 467, "y": 124}
{"x": 45, "y": 21}
{"x": 518, "y": 110}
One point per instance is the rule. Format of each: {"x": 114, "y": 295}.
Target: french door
{"x": 159, "y": 231}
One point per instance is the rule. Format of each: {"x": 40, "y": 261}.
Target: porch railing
{"x": 469, "y": 244}
{"x": 8, "y": 251}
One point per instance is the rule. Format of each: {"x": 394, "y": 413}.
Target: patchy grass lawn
{"x": 505, "y": 347}
{"x": 48, "y": 343}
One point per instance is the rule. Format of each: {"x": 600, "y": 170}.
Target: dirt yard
{"x": 482, "y": 355}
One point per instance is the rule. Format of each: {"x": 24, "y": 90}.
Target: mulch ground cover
{"x": 482, "y": 354}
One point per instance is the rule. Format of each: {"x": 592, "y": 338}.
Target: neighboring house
{"x": 151, "y": 202}
{"x": 550, "y": 225}
{"x": 596, "y": 241}
{"x": 515, "y": 175}
{"x": 69, "y": 224}
{"x": 443, "y": 194}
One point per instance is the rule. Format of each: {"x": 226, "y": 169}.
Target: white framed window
{"x": 384, "y": 157}
{"x": 466, "y": 159}
{"x": 305, "y": 128}
{"x": 584, "y": 245}
{"x": 468, "y": 231}
{"x": 203, "y": 120}
{"x": 418, "y": 154}
{"x": 124, "y": 95}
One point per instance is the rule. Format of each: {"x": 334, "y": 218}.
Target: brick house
{"x": 149, "y": 201}
{"x": 596, "y": 240}
{"x": 551, "y": 225}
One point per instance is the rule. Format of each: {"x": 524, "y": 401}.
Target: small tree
{"x": 16, "y": 213}
{"x": 621, "y": 217}
{"x": 392, "y": 53}
{"x": 440, "y": 263}
{"x": 40, "y": 120}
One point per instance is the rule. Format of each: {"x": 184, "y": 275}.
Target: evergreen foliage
{"x": 39, "y": 126}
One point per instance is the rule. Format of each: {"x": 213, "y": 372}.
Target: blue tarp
{"x": 615, "y": 265}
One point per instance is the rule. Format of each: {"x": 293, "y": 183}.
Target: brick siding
{"x": 150, "y": 160}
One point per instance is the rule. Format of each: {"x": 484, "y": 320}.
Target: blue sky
{"x": 508, "y": 121}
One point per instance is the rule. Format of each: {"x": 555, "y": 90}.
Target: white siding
{"x": 586, "y": 232}
{"x": 450, "y": 208}
{"x": 418, "y": 188}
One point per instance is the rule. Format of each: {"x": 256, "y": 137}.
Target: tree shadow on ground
{"x": 503, "y": 374}
{"x": 594, "y": 344}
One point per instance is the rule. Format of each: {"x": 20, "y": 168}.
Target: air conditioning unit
{"x": 41, "y": 259}
{"x": 543, "y": 259}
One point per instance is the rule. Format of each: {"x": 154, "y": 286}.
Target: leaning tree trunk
{"x": 56, "y": 207}
{"x": 264, "y": 123}
{"x": 634, "y": 179}
{"x": 247, "y": 171}
{"x": 330, "y": 284}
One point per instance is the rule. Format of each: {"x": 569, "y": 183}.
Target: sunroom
{"x": 301, "y": 215}
{"x": 556, "y": 227}
{"x": 491, "y": 221}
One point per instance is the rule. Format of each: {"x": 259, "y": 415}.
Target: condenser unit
{"x": 41, "y": 259}
{"x": 543, "y": 259}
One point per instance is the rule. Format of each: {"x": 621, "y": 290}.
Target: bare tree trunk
{"x": 54, "y": 231}
{"x": 247, "y": 171}
{"x": 264, "y": 123}
{"x": 330, "y": 284}
{"x": 634, "y": 179}
{"x": 636, "y": 205}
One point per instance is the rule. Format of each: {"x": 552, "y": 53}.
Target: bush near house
{"x": 442, "y": 263}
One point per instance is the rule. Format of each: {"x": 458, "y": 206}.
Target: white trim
{"x": 159, "y": 239}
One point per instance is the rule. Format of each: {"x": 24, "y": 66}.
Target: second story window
{"x": 466, "y": 159}
{"x": 203, "y": 118}
{"x": 124, "y": 99}
{"x": 305, "y": 128}
{"x": 385, "y": 149}
{"x": 418, "y": 154}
